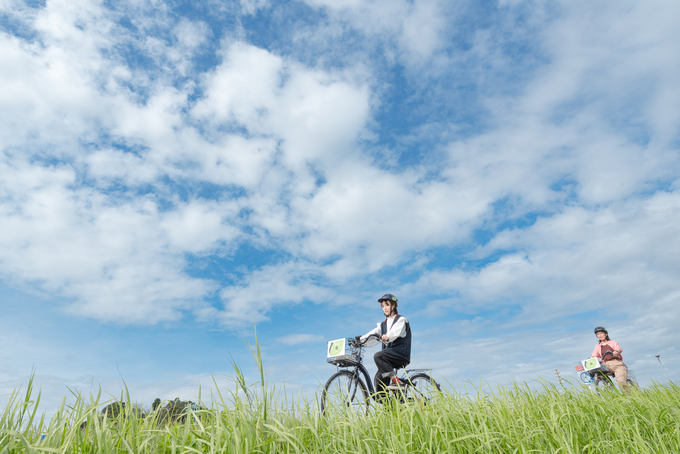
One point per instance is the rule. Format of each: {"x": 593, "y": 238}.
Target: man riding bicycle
{"x": 396, "y": 332}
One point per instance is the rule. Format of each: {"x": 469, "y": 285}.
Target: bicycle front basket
{"x": 592, "y": 364}
{"x": 342, "y": 360}
{"x": 339, "y": 354}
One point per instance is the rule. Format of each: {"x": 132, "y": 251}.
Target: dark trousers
{"x": 386, "y": 360}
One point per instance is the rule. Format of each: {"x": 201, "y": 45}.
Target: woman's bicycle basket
{"x": 342, "y": 360}
{"x": 342, "y": 354}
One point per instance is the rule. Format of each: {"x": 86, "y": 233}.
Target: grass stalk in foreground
{"x": 515, "y": 419}
{"x": 256, "y": 419}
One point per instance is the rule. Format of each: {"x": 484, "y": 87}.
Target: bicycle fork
{"x": 353, "y": 384}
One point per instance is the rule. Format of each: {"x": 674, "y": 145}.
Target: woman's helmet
{"x": 600, "y": 329}
{"x": 388, "y": 297}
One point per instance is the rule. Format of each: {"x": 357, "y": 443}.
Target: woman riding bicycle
{"x": 396, "y": 332}
{"x": 609, "y": 352}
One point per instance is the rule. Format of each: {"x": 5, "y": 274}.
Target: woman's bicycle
{"x": 595, "y": 371}
{"x": 351, "y": 386}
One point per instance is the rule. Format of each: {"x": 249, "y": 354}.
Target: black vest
{"x": 401, "y": 345}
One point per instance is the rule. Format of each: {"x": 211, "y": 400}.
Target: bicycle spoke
{"x": 423, "y": 388}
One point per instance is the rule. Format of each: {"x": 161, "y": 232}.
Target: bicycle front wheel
{"x": 423, "y": 387}
{"x": 346, "y": 391}
{"x": 603, "y": 381}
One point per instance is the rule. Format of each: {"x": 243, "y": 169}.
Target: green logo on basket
{"x": 591, "y": 363}
{"x": 336, "y": 347}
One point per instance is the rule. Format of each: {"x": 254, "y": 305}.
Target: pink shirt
{"x": 614, "y": 346}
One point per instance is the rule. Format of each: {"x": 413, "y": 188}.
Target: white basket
{"x": 342, "y": 360}
{"x": 340, "y": 353}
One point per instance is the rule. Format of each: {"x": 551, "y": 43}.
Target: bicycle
{"x": 595, "y": 371}
{"x": 352, "y": 387}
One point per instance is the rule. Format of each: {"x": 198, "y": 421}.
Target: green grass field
{"x": 251, "y": 419}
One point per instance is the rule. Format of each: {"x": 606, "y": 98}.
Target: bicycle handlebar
{"x": 609, "y": 352}
{"x": 357, "y": 340}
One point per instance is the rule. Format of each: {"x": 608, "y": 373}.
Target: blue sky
{"x": 173, "y": 173}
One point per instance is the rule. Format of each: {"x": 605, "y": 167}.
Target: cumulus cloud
{"x": 77, "y": 209}
{"x": 573, "y": 262}
{"x": 118, "y": 172}
{"x": 268, "y": 288}
{"x": 109, "y": 256}
{"x": 316, "y": 115}
{"x": 510, "y": 174}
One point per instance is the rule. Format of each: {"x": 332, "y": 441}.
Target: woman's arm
{"x": 616, "y": 348}
{"x": 596, "y": 352}
{"x": 397, "y": 330}
{"x": 373, "y": 340}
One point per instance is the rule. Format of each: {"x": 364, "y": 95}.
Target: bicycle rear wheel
{"x": 346, "y": 391}
{"x": 423, "y": 388}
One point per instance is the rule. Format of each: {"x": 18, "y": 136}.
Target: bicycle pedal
{"x": 395, "y": 387}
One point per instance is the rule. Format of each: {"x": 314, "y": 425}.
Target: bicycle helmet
{"x": 600, "y": 329}
{"x": 388, "y": 297}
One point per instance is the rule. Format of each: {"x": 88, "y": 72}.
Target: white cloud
{"x": 423, "y": 29}
{"x": 297, "y": 339}
{"x": 191, "y": 34}
{"x": 196, "y": 227}
{"x": 261, "y": 291}
{"x": 243, "y": 87}
{"x": 252, "y": 6}
{"x": 574, "y": 262}
{"x": 619, "y": 61}
{"x": 235, "y": 160}
{"x": 381, "y": 215}
{"x": 110, "y": 165}
{"x": 283, "y": 137}
{"x": 316, "y": 115}
{"x": 418, "y": 27}
{"x": 111, "y": 259}
{"x": 319, "y": 117}
{"x": 30, "y": 99}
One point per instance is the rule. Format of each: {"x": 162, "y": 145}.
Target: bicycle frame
{"x": 602, "y": 376}
{"x": 359, "y": 367}
{"x": 350, "y": 366}
{"x": 598, "y": 370}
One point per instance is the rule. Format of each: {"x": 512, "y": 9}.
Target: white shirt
{"x": 394, "y": 330}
